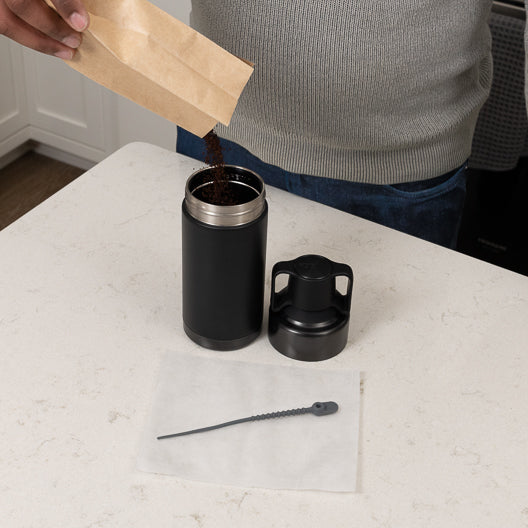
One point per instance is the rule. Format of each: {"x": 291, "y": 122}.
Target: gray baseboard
{"x": 45, "y": 150}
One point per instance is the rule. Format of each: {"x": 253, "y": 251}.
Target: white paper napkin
{"x": 298, "y": 452}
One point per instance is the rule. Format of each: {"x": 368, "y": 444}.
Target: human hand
{"x": 34, "y": 24}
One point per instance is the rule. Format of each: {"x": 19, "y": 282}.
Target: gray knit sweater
{"x": 378, "y": 91}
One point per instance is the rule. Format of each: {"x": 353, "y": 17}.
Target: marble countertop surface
{"x": 90, "y": 303}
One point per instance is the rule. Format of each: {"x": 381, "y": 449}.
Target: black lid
{"x": 308, "y": 319}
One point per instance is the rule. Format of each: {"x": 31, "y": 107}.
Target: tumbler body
{"x": 223, "y": 268}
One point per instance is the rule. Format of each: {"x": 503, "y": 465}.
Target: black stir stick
{"x": 318, "y": 409}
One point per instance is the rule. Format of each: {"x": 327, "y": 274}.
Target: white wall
{"x": 177, "y": 8}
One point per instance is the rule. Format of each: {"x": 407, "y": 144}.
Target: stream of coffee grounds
{"x": 219, "y": 192}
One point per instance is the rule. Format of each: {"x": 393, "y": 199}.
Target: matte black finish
{"x": 223, "y": 281}
{"x": 309, "y": 318}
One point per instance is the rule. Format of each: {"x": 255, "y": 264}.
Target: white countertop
{"x": 90, "y": 303}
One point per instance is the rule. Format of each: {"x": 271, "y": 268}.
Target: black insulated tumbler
{"x": 223, "y": 259}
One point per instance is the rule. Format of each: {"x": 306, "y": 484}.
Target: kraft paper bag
{"x": 137, "y": 50}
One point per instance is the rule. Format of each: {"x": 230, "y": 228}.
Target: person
{"x": 367, "y": 106}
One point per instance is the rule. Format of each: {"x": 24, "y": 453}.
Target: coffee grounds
{"x": 238, "y": 194}
{"x": 219, "y": 192}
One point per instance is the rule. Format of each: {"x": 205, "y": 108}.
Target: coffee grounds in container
{"x": 219, "y": 192}
{"x": 238, "y": 193}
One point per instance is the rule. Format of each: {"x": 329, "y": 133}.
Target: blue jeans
{"x": 428, "y": 209}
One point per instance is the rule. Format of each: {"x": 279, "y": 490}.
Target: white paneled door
{"x": 67, "y": 110}
{"x": 13, "y": 110}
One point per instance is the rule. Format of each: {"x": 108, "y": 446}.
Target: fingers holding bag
{"x": 36, "y": 25}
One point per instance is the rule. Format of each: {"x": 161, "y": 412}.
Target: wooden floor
{"x": 28, "y": 181}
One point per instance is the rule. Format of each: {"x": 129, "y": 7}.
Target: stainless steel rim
{"x": 226, "y": 215}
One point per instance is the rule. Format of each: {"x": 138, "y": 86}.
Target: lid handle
{"x": 342, "y": 301}
{"x": 311, "y": 292}
{"x": 280, "y": 299}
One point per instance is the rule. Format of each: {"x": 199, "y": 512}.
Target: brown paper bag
{"x": 137, "y": 50}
